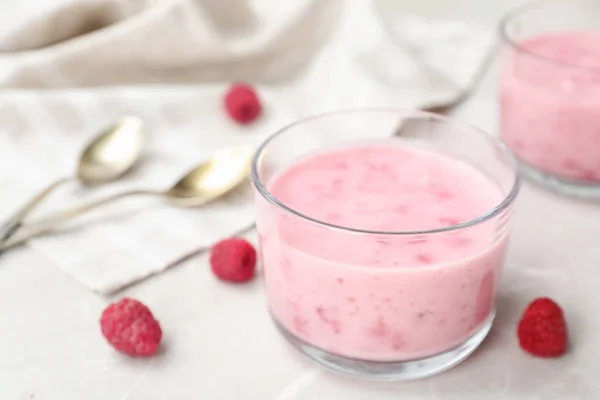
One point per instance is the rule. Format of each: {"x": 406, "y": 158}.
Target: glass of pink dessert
{"x": 382, "y": 253}
{"x": 550, "y": 93}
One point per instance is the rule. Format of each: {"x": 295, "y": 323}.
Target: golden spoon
{"x": 206, "y": 182}
{"x": 109, "y": 156}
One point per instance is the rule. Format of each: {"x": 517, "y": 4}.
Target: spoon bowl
{"x": 113, "y": 153}
{"x": 212, "y": 178}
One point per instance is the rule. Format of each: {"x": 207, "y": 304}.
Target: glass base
{"x": 561, "y": 185}
{"x": 391, "y": 370}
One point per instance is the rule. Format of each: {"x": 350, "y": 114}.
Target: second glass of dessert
{"x": 550, "y": 93}
{"x": 383, "y": 235}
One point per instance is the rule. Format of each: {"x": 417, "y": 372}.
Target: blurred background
{"x": 482, "y": 13}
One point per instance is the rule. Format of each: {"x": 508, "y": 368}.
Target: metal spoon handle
{"x": 64, "y": 216}
{"x": 14, "y": 223}
{"x": 448, "y": 106}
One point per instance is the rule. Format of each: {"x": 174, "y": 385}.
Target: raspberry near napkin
{"x": 80, "y": 65}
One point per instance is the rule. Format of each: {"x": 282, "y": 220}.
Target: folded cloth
{"x": 77, "y": 66}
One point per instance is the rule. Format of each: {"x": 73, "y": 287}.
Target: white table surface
{"x": 219, "y": 343}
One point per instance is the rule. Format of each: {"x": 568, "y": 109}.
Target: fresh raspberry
{"x": 233, "y": 260}
{"x": 242, "y": 103}
{"x": 542, "y": 330}
{"x": 130, "y": 327}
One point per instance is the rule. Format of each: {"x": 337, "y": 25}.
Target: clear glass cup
{"x": 345, "y": 310}
{"x": 550, "y": 93}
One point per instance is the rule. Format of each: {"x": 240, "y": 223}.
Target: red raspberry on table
{"x": 130, "y": 327}
{"x": 233, "y": 260}
{"x": 542, "y": 330}
{"x": 242, "y": 103}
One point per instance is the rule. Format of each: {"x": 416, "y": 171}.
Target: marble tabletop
{"x": 220, "y": 344}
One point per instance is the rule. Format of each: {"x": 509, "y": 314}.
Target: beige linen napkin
{"x": 77, "y": 66}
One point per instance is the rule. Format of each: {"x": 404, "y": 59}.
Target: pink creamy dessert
{"x": 381, "y": 297}
{"x": 550, "y": 104}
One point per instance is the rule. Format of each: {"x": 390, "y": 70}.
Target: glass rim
{"x": 507, "y": 200}
{"x": 532, "y": 5}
